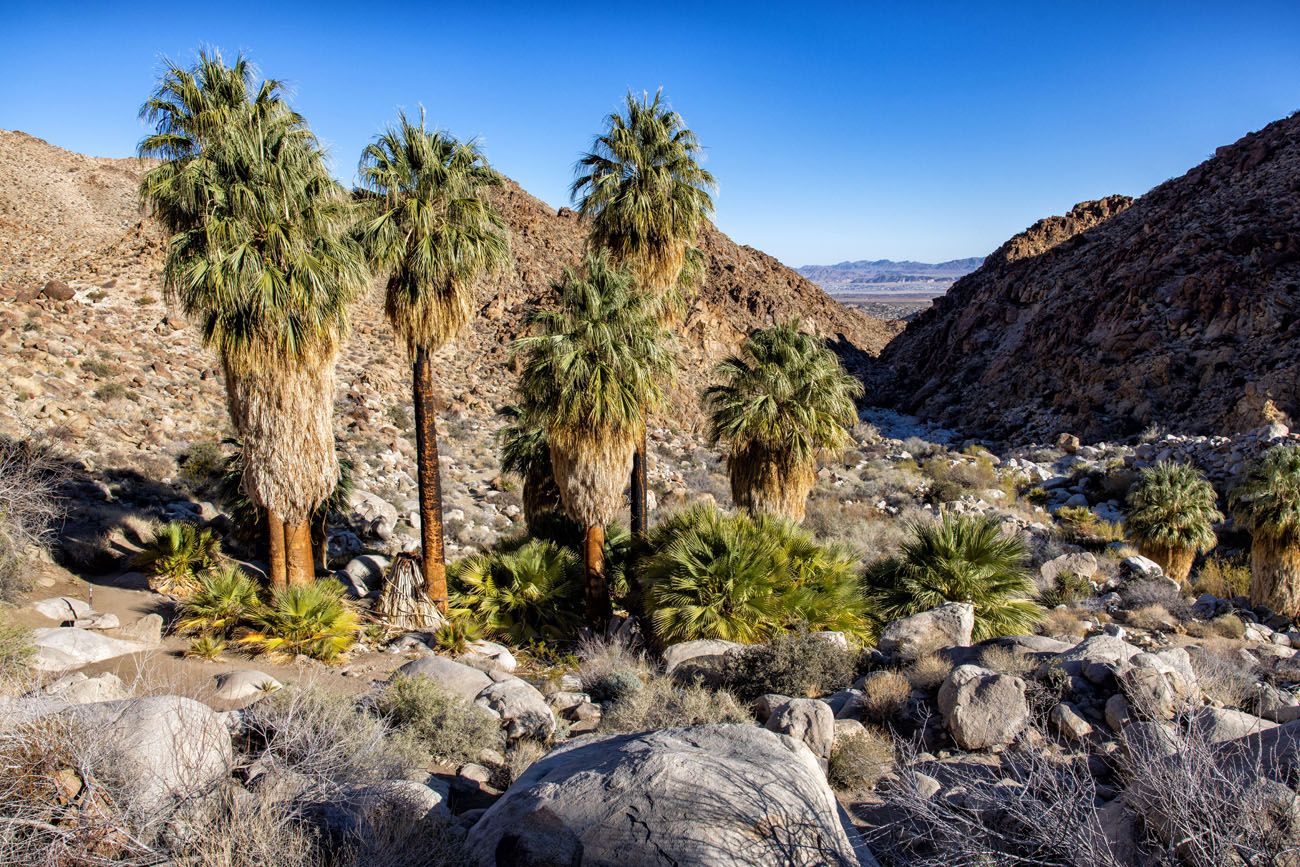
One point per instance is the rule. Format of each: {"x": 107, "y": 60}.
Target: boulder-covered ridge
{"x": 76, "y": 219}
{"x": 1180, "y": 308}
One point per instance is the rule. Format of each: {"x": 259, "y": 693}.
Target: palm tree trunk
{"x": 597, "y": 592}
{"x": 320, "y": 545}
{"x": 639, "y": 501}
{"x": 1275, "y": 575}
{"x": 1176, "y": 561}
{"x": 279, "y": 576}
{"x": 300, "y": 557}
{"x": 433, "y": 563}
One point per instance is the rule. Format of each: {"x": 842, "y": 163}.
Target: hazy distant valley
{"x": 886, "y": 288}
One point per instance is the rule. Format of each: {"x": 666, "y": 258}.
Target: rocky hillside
{"x": 1180, "y": 308}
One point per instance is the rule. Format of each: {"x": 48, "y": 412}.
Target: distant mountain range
{"x": 888, "y": 280}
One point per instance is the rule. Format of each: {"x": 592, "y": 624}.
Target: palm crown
{"x": 1267, "y": 502}
{"x": 1173, "y": 506}
{"x": 433, "y": 228}
{"x": 644, "y": 191}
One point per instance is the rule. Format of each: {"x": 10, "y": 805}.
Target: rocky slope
{"x": 1180, "y": 308}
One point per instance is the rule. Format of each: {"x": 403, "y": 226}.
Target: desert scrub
{"x": 799, "y": 664}
{"x": 203, "y": 464}
{"x": 663, "y": 703}
{"x": 1007, "y": 660}
{"x": 1082, "y": 527}
{"x": 313, "y": 620}
{"x": 1226, "y": 577}
{"x": 15, "y": 650}
{"x": 175, "y": 556}
{"x": 951, "y": 478}
{"x": 29, "y": 507}
{"x": 928, "y": 672}
{"x": 858, "y": 761}
{"x": 884, "y": 695}
{"x": 1063, "y": 624}
{"x": 1139, "y": 594}
{"x": 449, "y": 728}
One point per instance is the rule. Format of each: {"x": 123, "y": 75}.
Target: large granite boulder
{"x": 807, "y": 719}
{"x": 455, "y": 677}
{"x": 708, "y": 796}
{"x": 983, "y": 708}
{"x": 63, "y": 648}
{"x": 912, "y": 637}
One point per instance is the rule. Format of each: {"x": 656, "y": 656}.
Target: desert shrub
{"x": 860, "y": 760}
{"x": 610, "y": 669}
{"x": 451, "y": 729}
{"x": 1007, "y": 660}
{"x": 29, "y": 507}
{"x": 111, "y": 391}
{"x": 1063, "y": 624}
{"x": 529, "y": 593}
{"x": 209, "y": 647}
{"x": 952, "y": 478}
{"x": 1067, "y": 588}
{"x": 928, "y": 672}
{"x": 732, "y": 576}
{"x": 313, "y": 620}
{"x": 664, "y": 703}
{"x": 1081, "y": 526}
{"x": 797, "y": 664}
{"x": 1140, "y": 594}
{"x": 223, "y": 599}
{"x": 884, "y": 695}
{"x": 1225, "y": 677}
{"x": 1038, "y": 496}
{"x": 1223, "y": 576}
{"x": 1154, "y": 617}
{"x": 175, "y": 556}
{"x": 521, "y": 756}
{"x": 203, "y": 464}
{"x": 958, "y": 559}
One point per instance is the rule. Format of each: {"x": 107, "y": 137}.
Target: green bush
{"x": 178, "y": 552}
{"x": 1224, "y": 577}
{"x": 1081, "y": 526}
{"x": 313, "y": 620}
{"x": 1067, "y": 589}
{"x": 451, "y": 729}
{"x": 713, "y": 574}
{"x": 225, "y": 597}
{"x": 203, "y": 464}
{"x": 530, "y": 593}
{"x": 795, "y": 664}
{"x": 958, "y": 559}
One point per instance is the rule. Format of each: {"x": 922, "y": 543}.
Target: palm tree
{"x": 1171, "y": 516}
{"x": 593, "y": 368}
{"x": 782, "y": 400}
{"x": 526, "y": 453}
{"x": 260, "y": 256}
{"x": 646, "y": 196}
{"x": 961, "y": 558}
{"x": 436, "y": 234}
{"x": 1267, "y": 503}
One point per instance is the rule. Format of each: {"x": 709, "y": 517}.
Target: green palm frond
{"x": 1173, "y": 506}
{"x": 532, "y": 592}
{"x": 175, "y": 556}
{"x": 1267, "y": 501}
{"x": 431, "y": 228}
{"x": 313, "y": 620}
{"x": 958, "y": 559}
{"x": 225, "y": 596}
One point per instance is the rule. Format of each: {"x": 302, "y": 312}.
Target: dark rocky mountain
{"x": 1180, "y": 308}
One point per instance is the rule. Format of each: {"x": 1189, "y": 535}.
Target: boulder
{"x": 983, "y": 708}
{"x": 57, "y": 290}
{"x": 372, "y": 514}
{"x": 147, "y": 630}
{"x": 63, "y": 648}
{"x": 455, "y": 677}
{"x": 62, "y": 608}
{"x": 707, "y": 652}
{"x": 808, "y": 720}
{"x": 1139, "y": 568}
{"x": 490, "y": 653}
{"x": 365, "y": 574}
{"x": 1083, "y": 564}
{"x": 1219, "y": 724}
{"x": 522, "y": 708}
{"x": 78, "y": 688}
{"x": 244, "y": 683}
{"x": 912, "y": 637}
{"x": 708, "y": 796}
{"x": 1117, "y": 712}
{"x": 1066, "y": 720}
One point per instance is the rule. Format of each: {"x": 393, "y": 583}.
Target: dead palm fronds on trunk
{"x": 403, "y": 602}
{"x": 261, "y": 257}
{"x": 434, "y": 233}
{"x": 1172, "y": 513}
{"x": 647, "y": 197}
{"x": 526, "y": 453}
{"x": 591, "y": 370}
{"x": 782, "y": 400}
{"x": 1267, "y": 503}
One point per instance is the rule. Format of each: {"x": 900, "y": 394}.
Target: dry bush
{"x": 797, "y": 664}
{"x": 15, "y": 649}
{"x": 1224, "y": 677}
{"x": 951, "y": 478}
{"x": 885, "y": 695}
{"x": 29, "y": 508}
{"x": 448, "y": 727}
{"x": 662, "y": 703}
{"x": 859, "y": 761}
{"x": 1153, "y": 616}
{"x": 1224, "y": 577}
{"x": 1224, "y": 626}
{"x": 1063, "y": 624}
{"x": 928, "y": 672}
{"x": 251, "y": 831}
{"x": 1139, "y": 594}
{"x": 1007, "y": 660}
{"x": 521, "y": 756}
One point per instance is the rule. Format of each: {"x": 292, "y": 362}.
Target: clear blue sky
{"x": 872, "y": 130}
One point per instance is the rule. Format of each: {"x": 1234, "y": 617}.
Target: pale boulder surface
{"x": 912, "y": 637}
{"x": 65, "y": 648}
{"x": 726, "y": 795}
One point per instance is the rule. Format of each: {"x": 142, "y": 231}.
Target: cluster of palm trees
{"x": 267, "y": 254}
{"x": 1173, "y": 511}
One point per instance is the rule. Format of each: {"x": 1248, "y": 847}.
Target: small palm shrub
{"x": 1171, "y": 516}
{"x": 175, "y": 556}
{"x": 456, "y": 635}
{"x": 209, "y": 647}
{"x": 796, "y": 664}
{"x": 1067, "y": 588}
{"x": 1267, "y": 504}
{"x": 1082, "y": 527}
{"x": 740, "y": 578}
{"x": 531, "y": 593}
{"x": 450, "y": 728}
{"x": 224, "y": 597}
{"x": 958, "y": 559}
{"x": 313, "y": 620}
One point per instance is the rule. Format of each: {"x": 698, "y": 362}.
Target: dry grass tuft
{"x": 1154, "y": 617}
{"x": 1063, "y": 624}
{"x": 928, "y": 672}
{"x": 1007, "y": 660}
{"x": 885, "y": 695}
{"x": 859, "y": 761}
{"x": 660, "y": 703}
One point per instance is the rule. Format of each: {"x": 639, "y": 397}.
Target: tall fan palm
{"x": 1171, "y": 516}
{"x": 1267, "y": 503}
{"x": 784, "y": 399}
{"x": 592, "y": 369}
{"x": 436, "y": 234}
{"x": 260, "y": 255}
{"x": 526, "y": 453}
{"x": 647, "y": 197}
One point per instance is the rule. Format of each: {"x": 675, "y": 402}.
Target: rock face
{"x": 982, "y": 708}
{"x": 708, "y": 795}
{"x": 808, "y": 720}
{"x": 1180, "y": 308}
{"x": 64, "y": 648}
{"x": 913, "y": 637}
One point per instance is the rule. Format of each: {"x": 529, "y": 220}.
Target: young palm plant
{"x": 958, "y": 559}
{"x": 435, "y": 233}
{"x": 782, "y": 401}
{"x": 224, "y": 598}
{"x": 1171, "y": 516}
{"x": 525, "y": 594}
{"x": 178, "y": 552}
{"x": 592, "y": 370}
{"x": 260, "y": 256}
{"x": 313, "y": 620}
{"x": 646, "y": 196}
{"x": 1267, "y": 503}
